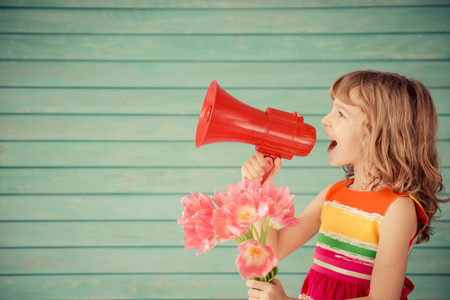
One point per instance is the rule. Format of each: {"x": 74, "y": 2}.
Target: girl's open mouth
{"x": 333, "y": 144}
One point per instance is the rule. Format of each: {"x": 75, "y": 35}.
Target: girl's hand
{"x": 266, "y": 291}
{"x": 253, "y": 168}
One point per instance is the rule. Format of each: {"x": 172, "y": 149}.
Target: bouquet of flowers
{"x": 231, "y": 215}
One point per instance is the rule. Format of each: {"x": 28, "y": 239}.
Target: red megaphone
{"x": 274, "y": 132}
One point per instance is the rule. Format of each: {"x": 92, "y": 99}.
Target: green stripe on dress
{"x": 334, "y": 243}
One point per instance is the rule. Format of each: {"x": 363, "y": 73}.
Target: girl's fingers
{"x": 252, "y": 168}
{"x": 258, "y": 164}
{"x": 254, "y": 284}
{"x": 260, "y": 159}
{"x": 276, "y": 168}
{"x": 248, "y": 172}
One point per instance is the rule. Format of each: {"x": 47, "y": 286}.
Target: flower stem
{"x": 255, "y": 232}
{"x": 268, "y": 278}
{"x": 265, "y": 231}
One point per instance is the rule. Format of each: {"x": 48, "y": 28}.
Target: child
{"x": 382, "y": 129}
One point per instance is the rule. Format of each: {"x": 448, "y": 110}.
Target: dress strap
{"x": 422, "y": 218}
{"x": 408, "y": 287}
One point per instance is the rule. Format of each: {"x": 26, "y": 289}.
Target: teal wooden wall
{"x": 99, "y": 103}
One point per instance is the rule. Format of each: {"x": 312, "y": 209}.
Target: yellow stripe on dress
{"x": 354, "y": 223}
{"x": 342, "y": 271}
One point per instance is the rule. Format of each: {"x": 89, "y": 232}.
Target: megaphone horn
{"x": 274, "y": 132}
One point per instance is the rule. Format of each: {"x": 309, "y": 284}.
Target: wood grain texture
{"x": 148, "y": 154}
{"x": 99, "y": 102}
{"x": 125, "y": 128}
{"x": 139, "y": 208}
{"x": 273, "y": 21}
{"x": 282, "y": 47}
{"x": 168, "y": 101}
{"x": 206, "y": 4}
{"x": 149, "y": 180}
{"x": 154, "y": 180}
{"x": 145, "y": 233}
{"x": 159, "y": 286}
{"x": 169, "y": 261}
{"x": 200, "y": 75}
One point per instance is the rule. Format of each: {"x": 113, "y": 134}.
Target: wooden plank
{"x": 199, "y": 75}
{"x": 173, "y": 260}
{"x": 126, "y": 128}
{"x": 160, "y": 286}
{"x": 147, "y": 260}
{"x": 213, "y": 4}
{"x": 120, "y": 207}
{"x": 155, "y": 180}
{"x": 150, "y": 180}
{"x": 108, "y": 128}
{"x": 81, "y": 207}
{"x": 144, "y": 233}
{"x": 169, "y": 101}
{"x": 145, "y": 154}
{"x": 142, "y": 154}
{"x": 165, "y": 101}
{"x": 94, "y": 234}
{"x": 226, "y": 48}
{"x": 293, "y": 21}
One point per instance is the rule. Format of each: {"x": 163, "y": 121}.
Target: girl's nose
{"x": 325, "y": 121}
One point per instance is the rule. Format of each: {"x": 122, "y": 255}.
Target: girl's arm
{"x": 399, "y": 226}
{"x": 286, "y": 240}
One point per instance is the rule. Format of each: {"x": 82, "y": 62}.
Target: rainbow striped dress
{"x": 347, "y": 243}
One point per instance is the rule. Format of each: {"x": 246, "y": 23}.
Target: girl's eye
{"x": 341, "y": 115}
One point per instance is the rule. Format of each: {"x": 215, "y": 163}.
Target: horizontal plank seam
{"x": 120, "y": 247}
{"x": 179, "y": 87}
{"x": 141, "y": 273}
{"x": 208, "y": 61}
{"x": 53, "y": 221}
{"x": 120, "y": 221}
{"x": 127, "y": 114}
{"x": 180, "y": 273}
{"x": 133, "y": 8}
{"x": 223, "y": 61}
{"x": 119, "y": 194}
{"x": 202, "y": 88}
{"x": 164, "y": 167}
{"x": 298, "y": 194}
{"x": 333, "y": 33}
{"x": 219, "y": 34}
{"x": 130, "y": 141}
{"x": 138, "y": 114}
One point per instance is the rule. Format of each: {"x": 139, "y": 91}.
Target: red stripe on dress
{"x": 342, "y": 261}
{"x": 340, "y": 276}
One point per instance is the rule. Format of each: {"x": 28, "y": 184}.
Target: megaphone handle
{"x": 270, "y": 164}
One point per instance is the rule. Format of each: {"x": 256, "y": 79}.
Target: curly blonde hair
{"x": 399, "y": 140}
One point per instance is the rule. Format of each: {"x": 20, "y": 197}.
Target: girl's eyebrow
{"x": 341, "y": 107}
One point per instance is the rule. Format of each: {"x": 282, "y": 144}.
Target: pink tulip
{"x": 193, "y": 204}
{"x": 250, "y": 185}
{"x": 254, "y": 259}
{"x": 281, "y": 209}
{"x": 220, "y": 224}
{"x": 199, "y": 233}
{"x": 243, "y": 212}
{"x": 230, "y": 195}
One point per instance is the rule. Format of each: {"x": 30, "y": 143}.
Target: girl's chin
{"x": 334, "y": 162}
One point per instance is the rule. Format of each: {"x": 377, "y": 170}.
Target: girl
{"x": 382, "y": 129}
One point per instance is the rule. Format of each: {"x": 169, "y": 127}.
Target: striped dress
{"x": 347, "y": 243}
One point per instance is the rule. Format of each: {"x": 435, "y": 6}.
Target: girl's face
{"x": 343, "y": 125}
